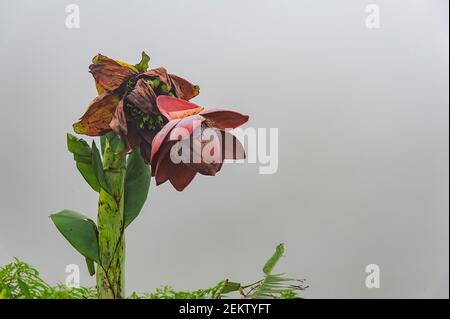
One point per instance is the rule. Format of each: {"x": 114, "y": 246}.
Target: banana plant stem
{"x": 111, "y": 236}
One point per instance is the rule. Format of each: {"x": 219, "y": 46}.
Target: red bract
{"x": 199, "y": 132}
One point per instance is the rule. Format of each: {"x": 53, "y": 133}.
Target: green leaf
{"x": 5, "y": 291}
{"x": 97, "y": 166}
{"x": 271, "y": 263}
{"x": 112, "y": 139}
{"x": 137, "y": 184}
{"x": 88, "y": 173}
{"x": 78, "y": 146}
{"x": 273, "y": 286}
{"x": 24, "y": 288}
{"x": 82, "y": 155}
{"x": 230, "y": 286}
{"x": 80, "y": 231}
{"x": 90, "y": 266}
{"x": 142, "y": 66}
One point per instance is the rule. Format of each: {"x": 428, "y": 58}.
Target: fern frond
{"x": 275, "y": 286}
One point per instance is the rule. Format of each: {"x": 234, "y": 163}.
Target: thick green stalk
{"x": 111, "y": 237}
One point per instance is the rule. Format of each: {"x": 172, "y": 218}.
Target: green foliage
{"x": 167, "y": 292}
{"x": 82, "y": 155}
{"x": 112, "y": 139}
{"x": 218, "y": 291}
{"x": 272, "y": 262}
{"x": 142, "y": 66}
{"x": 229, "y": 286}
{"x": 97, "y": 166}
{"x": 90, "y": 266}
{"x": 80, "y": 231}
{"x": 60, "y": 291}
{"x": 89, "y": 161}
{"x": 19, "y": 280}
{"x": 275, "y": 285}
{"x": 137, "y": 184}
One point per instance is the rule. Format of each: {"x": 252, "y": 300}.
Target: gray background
{"x": 363, "y": 140}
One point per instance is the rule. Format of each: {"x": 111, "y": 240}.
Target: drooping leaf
{"x": 271, "y": 263}
{"x": 137, "y": 184}
{"x": 97, "y": 166}
{"x": 90, "y": 266}
{"x": 82, "y": 155}
{"x": 142, "y": 66}
{"x": 80, "y": 231}
{"x": 95, "y": 121}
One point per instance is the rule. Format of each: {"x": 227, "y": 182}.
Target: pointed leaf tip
{"x": 78, "y": 128}
{"x": 90, "y": 265}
